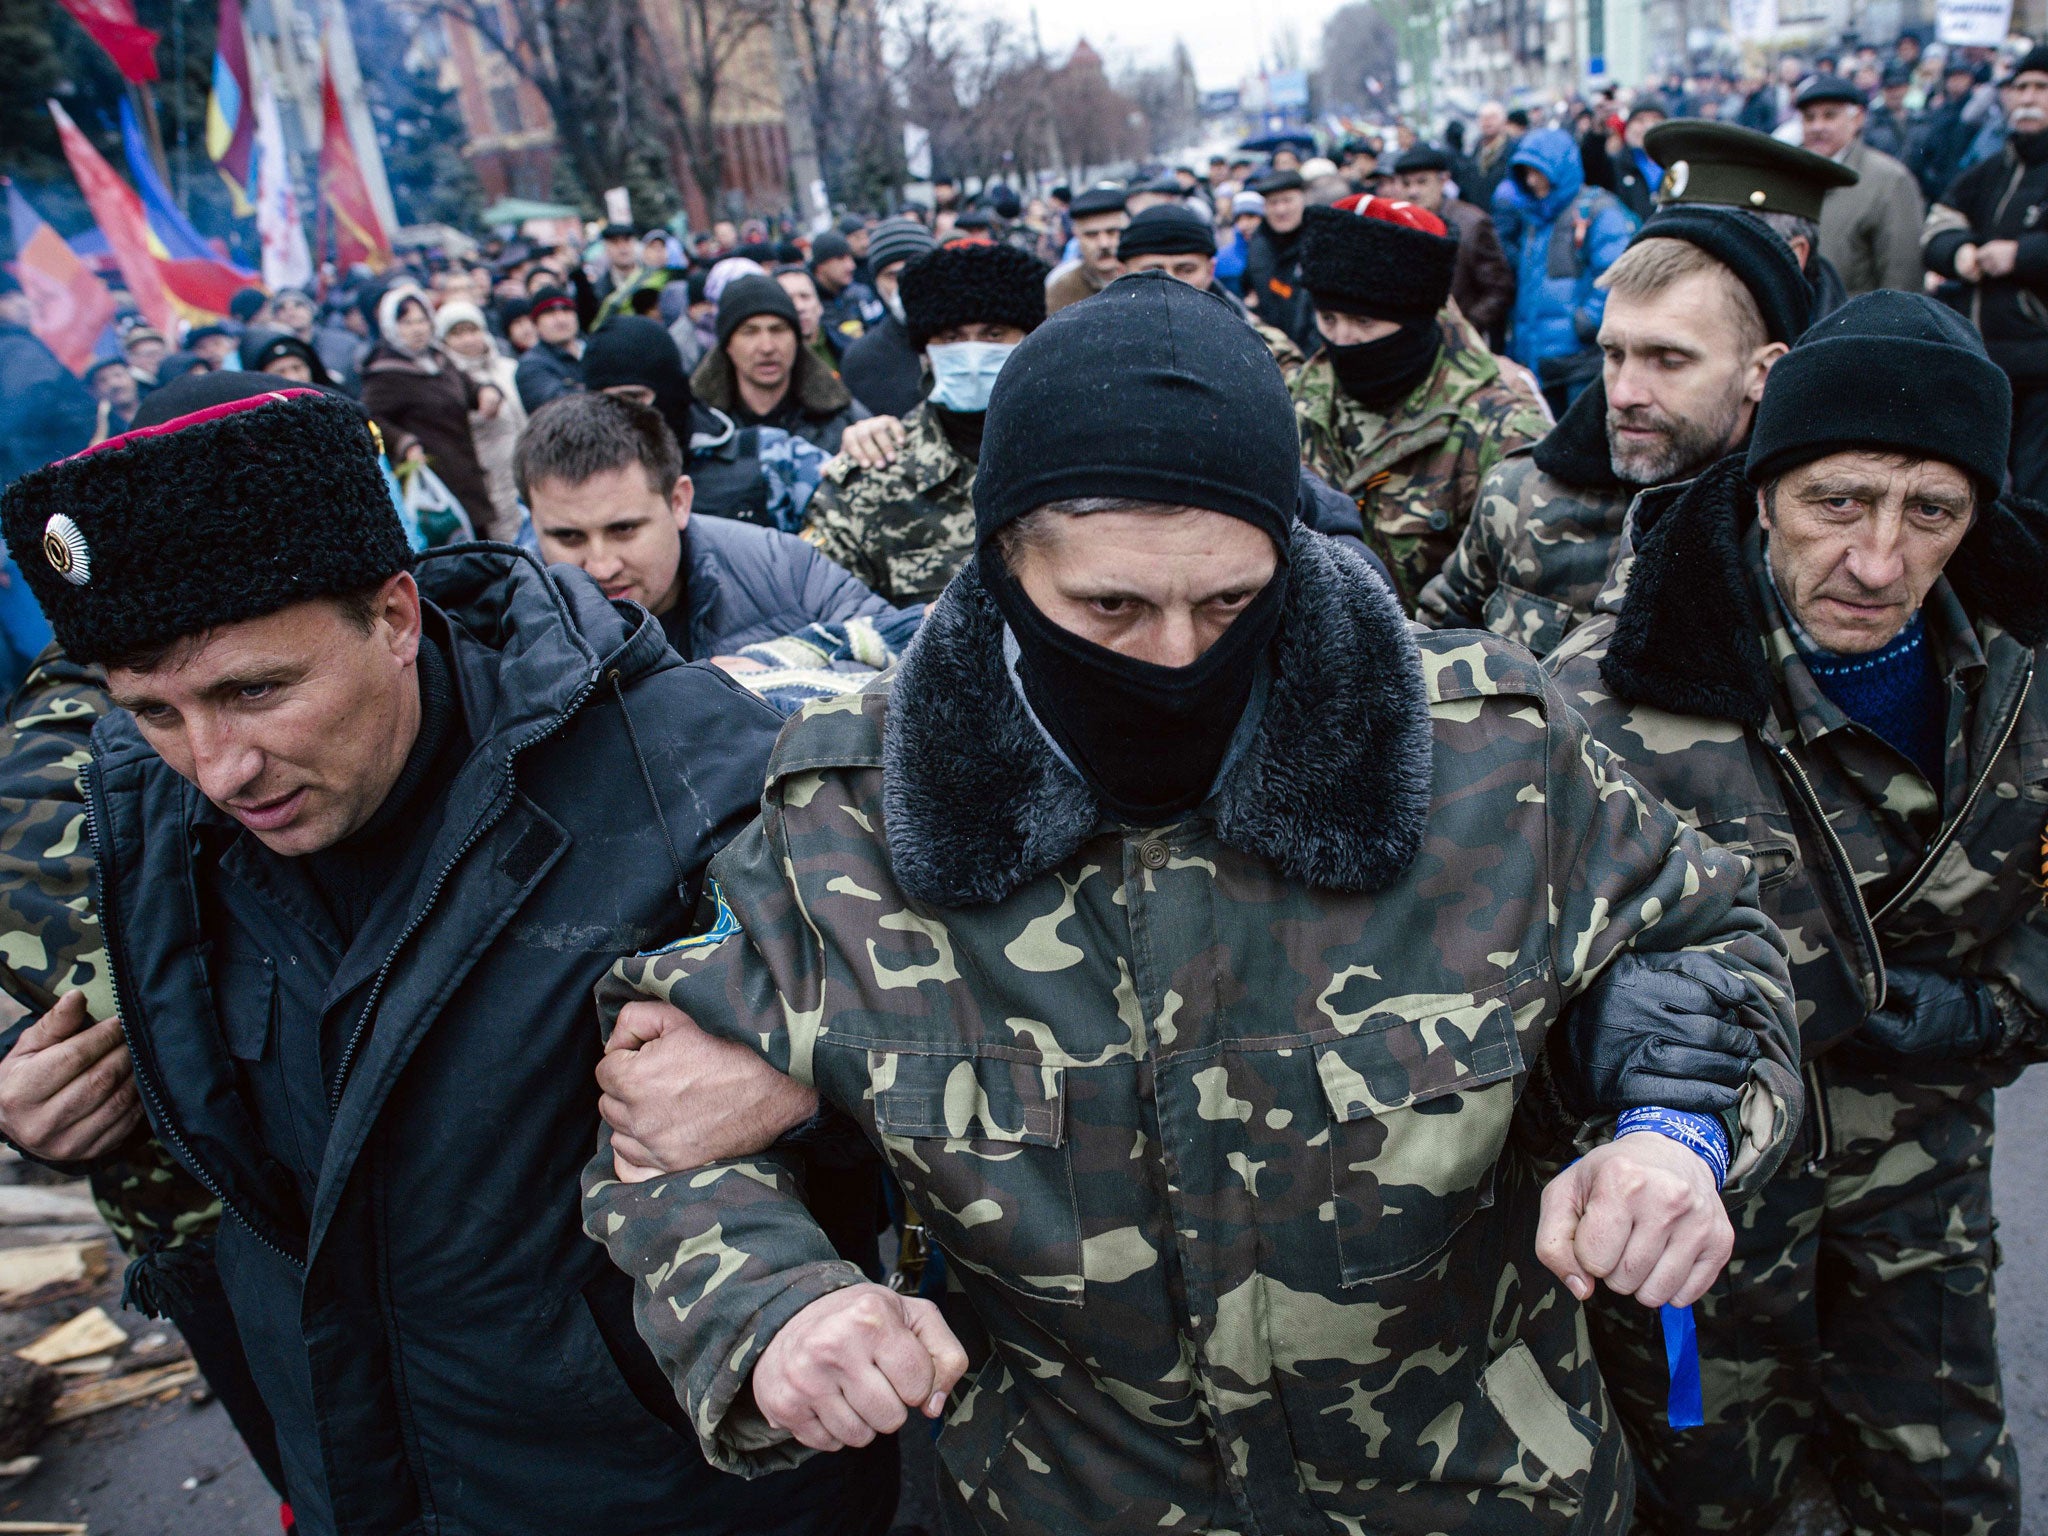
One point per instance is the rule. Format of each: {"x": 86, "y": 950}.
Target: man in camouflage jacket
{"x": 1401, "y": 406}
{"x": 1855, "y": 1321}
{"x": 1698, "y": 308}
{"x": 905, "y": 528}
{"x": 1232, "y": 1126}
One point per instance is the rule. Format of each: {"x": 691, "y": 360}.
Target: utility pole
{"x": 797, "y": 127}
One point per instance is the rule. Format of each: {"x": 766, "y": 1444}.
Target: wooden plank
{"x": 44, "y": 1528}
{"x": 45, "y": 1272}
{"x": 90, "y": 1333}
{"x": 27, "y": 1205}
{"x": 98, "y": 1396}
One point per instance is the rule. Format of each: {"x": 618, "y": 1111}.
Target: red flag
{"x": 70, "y": 305}
{"x": 118, "y": 212}
{"x": 231, "y": 109}
{"x": 358, "y": 233}
{"x": 113, "y": 26}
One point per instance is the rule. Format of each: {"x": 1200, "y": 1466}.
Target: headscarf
{"x": 388, "y": 307}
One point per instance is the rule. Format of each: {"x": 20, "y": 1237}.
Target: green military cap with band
{"x": 1719, "y": 163}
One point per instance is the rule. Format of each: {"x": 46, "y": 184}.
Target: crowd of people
{"x": 1380, "y": 815}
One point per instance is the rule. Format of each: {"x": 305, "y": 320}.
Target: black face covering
{"x": 1148, "y": 740}
{"x": 1380, "y": 374}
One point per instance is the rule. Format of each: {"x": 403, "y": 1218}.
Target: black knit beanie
{"x": 1170, "y": 229}
{"x": 631, "y": 349}
{"x": 1752, "y": 250}
{"x": 1890, "y": 371}
{"x": 750, "y": 295}
{"x": 1152, "y": 390}
{"x": 236, "y": 511}
{"x": 1355, "y": 264}
{"x": 962, "y": 284}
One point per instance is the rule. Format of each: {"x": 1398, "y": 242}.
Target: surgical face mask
{"x": 892, "y": 301}
{"x": 963, "y": 372}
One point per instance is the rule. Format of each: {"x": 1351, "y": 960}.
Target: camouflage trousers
{"x": 1854, "y": 1326}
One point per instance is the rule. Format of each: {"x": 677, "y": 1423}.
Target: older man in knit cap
{"x": 1699, "y": 307}
{"x": 345, "y": 833}
{"x": 883, "y": 369}
{"x": 1209, "y": 1197}
{"x": 1402, "y": 407}
{"x": 1824, "y": 652}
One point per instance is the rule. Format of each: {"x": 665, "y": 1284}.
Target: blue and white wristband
{"x": 1702, "y": 1133}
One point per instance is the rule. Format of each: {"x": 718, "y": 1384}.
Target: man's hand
{"x": 677, "y": 1098}
{"x": 1967, "y": 263}
{"x": 1655, "y": 1029}
{"x": 1640, "y": 1213}
{"x": 1931, "y": 1017}
{"x": 874, "y": 443}
{"x": 851, "y": 1365}
{"x": 67, "y": 1089}
{"x": 1996, "y": 258}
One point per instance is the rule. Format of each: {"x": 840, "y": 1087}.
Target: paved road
{"x": 127, "y": 1470}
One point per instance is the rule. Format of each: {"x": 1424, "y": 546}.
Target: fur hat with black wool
{"x": 232, "y": 512}
{"x": 1381, "y": 259}
{"x": 965, "y": 284}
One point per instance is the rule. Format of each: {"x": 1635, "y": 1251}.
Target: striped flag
{"x": 231, "y": 110}
{"x": 118, "y": 212}
{"x": 199, "y": 279}
{"x": 71, "y": 306}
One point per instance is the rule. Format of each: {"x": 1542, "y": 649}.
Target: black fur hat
{"x": 960, "y": 284}
{"x": 230, "y": 513}
{"x": 1364, "y": 264}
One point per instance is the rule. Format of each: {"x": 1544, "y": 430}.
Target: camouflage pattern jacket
{"x": 50, "y": 941}
{"x": 1415, "y": 472}
{"x": 1689, "y": 672}
{"x": 904, "y": 529}
{"x": 1535, "y": 553}
{"x": 1229, "y": 1129}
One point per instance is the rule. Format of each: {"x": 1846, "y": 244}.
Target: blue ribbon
{"x": 1682, "y": 1360}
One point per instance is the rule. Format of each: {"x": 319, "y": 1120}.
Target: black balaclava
{"x": 633, "y": 350}
{"x": 1201, "y": 418}
{"x": 1380, "y": 374}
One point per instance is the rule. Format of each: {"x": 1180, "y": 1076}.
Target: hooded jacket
{"x": 1557, "y": 307}
{"x": 440, "y": 1349}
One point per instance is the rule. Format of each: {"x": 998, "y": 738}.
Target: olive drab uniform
{"x": 1854, "y": 1323}
{"x": 1415, "y": 472}
{"x": 903, "y": 529}
{"x": 1230, "y": 1130}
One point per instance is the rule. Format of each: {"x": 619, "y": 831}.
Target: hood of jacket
{"x": 1333, "y": 787}
{"x": 1689, "y": 633}
{"x": 1556, "y": 154}
{"x": 815, "y": 387}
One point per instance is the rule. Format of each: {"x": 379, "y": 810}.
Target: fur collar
{"x": 1689, "y": 637}
{"x": 1574, "y": 452}
{"x": 816, "y": 389}
{"x": 1334, "y": 787}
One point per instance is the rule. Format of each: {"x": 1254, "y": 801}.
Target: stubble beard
{"x": 1687, "y": 445}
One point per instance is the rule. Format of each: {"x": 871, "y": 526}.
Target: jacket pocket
{"x": 979, "y": 1143}
{"x": 1420, "y": 1100}
{"x": 1536, "y": 622}
{"x": 1555, "y": 1445}
{"x": 245, "y": 993}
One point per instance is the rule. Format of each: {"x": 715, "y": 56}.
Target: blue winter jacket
{"x": 1557, "y": 306}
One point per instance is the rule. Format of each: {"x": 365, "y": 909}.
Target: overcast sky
{"x": 1226, "y": 38}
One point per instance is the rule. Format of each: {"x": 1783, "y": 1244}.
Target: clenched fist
{"x": 1640, "y": 1213}
{"x": 67, "y": 1089}
{"x": 853, "y": 1364}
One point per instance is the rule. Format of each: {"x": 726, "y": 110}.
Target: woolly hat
{"x": 895, "y": 240}
{"x": 1890, "y": 371}
{"x": 829, "y": 246}
{"x": 1827, "y": 88}
{"x": 232, "y": 512}
{"x": 262, "y": 347}
{"x": 631, "y": 349}
{"x": 1171, "y": 229}
{"x": 1154, "y": 390}
{"x": 960, "y": 284}
{"x": 2035, "y": 62}
{"x": 549, "y": 298}
{"x": 1752, "y": 250}
{"x": 1107, "y": 198}
{"x": 750, "y": 295}
{"x": 455, "y": 312}
{"x": 1375, "y": 257}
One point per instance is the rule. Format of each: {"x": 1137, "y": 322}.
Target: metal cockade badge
{"x": 65, "y": 548}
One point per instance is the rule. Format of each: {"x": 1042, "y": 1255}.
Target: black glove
{"x": 1931, "y": 1017}
{"x": 1654, "y": 1029}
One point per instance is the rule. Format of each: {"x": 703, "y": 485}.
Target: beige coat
{"x": 1871, "y": 231}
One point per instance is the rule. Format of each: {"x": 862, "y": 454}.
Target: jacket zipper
{"x": 162, "y": 1116}
{"x": 532, "y": 738}
{"x": 1843, "y": 871}
{"x": 1954, "y": 828}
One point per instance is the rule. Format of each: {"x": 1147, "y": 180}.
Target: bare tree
{"x": 1360, "y": 58}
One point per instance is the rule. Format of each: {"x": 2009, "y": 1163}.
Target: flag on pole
{"x": 70, "y": 306}
{"x": 201, "y": 282}
{"x": 118, "y": 212}
{"x": 286, "y": 261}
{"x": 359, "y": 236}
{"x": 231, "y": 109}
{"x": 113, "y": 26}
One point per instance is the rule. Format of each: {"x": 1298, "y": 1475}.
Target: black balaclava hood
{"x": 633, "y": 350}
{"x": 1152, "y": 391}
{"x": 1381, "y": 374}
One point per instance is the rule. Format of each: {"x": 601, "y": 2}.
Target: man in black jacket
{"x": 1272, "y": 270}
{"x": 1986, "y": 232}
{"x": 365, "y": 840}
{"x": 884, "y": 371}
{"x": 604, "y": 479}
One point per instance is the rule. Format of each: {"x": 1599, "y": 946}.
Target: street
{"x": 176, "y": 1468}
